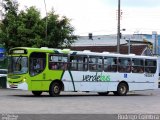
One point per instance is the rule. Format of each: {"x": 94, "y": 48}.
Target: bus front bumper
{"x": 21, "y": 86}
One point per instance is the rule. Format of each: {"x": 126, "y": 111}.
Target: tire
{"x": 36, "y": 93}
{"x": 122, "y": 89}
{"x": 115, "y": 93}
{"x": 103, "y": 93}
{"x": 55, "y": 89}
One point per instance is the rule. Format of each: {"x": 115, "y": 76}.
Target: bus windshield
{"x": 18, "y": 65}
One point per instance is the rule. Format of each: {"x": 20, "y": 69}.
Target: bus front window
{"x": 18, "y": 65}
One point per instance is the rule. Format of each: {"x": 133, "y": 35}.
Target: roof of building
{"x": 98, "y": 40}
{"x": 110, "y": 40}
{"x": 136, "y": 49}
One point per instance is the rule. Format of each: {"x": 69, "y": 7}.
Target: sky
{"x": 100, "y": 16}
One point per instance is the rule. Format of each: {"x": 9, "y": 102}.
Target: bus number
{"x": 148, "y": 75}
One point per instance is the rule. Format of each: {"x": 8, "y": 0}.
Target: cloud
{"x": 134, "y": 3}
{"x": 143, "y": 20}
{"x": 141, "y": 3}
{"x": 99, "y": 16}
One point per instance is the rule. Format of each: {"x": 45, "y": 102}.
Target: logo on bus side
{"x": 96, "y": 78}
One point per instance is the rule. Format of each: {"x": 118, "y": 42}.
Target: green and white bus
{"x": 55, "y": 70}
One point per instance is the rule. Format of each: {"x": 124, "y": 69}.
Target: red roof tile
{"x": 135, "y": 49}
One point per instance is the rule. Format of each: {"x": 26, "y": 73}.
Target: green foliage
{"x": 60, "y": 32}
{"x": 26, "y": 28}
{"x": 30, "y": 28}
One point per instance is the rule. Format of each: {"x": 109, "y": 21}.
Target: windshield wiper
{"x": 19, "y": 59}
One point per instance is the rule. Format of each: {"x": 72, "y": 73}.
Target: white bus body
{"x": 90, "y": 80}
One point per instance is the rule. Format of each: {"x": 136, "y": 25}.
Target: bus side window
{"x": 124, "y": 65}
{"x": 100, "y": 64}
{"x": 85, "y": 63}
{"x": 82, "y": 62}
{"x": 150, "y": 66}
{"x": 73, "y": 62}
{"x": 137, "y": 65}
{"x": 110, "y": 64}
{"x": 58, "y": 62}
{"x": 92, "y": 63}
{"x": 53, "y": 66}
{"x": 65, "y": 65}
{"x": 37, "y": 63}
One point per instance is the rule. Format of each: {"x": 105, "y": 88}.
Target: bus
{"x": 54, "y": 70}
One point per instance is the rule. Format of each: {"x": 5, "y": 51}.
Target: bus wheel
{"x": 55, "y": 89}
{"x": 103, "y": 93}
{"x": 122, "y": 89}
{"x": 37, "y": 93}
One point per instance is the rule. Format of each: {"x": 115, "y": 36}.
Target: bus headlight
{"x": 24, "y": 80}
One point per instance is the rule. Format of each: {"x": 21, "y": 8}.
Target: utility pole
{"x": 46, "y": 19}
{"x": 129, "y": 46}
{"x": 118, "y": 28}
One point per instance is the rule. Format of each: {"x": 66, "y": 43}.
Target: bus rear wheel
{"x": 122, "y": 89}
{"x": 37, "y": 93}
{"x": 55, "y": 89}
{"x": 103, "y": 93}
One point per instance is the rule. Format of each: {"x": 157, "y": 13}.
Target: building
{"x": 108, "y": 43}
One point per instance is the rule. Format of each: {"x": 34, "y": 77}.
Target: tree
{"x": 26, "y": 28}
{"x": 30, "y": 28}
{"x": 9, "y": 24}
{"x": 59, "y": 31}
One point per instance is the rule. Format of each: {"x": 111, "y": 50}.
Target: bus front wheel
{"x": 55, "y": 89}
{"x": 122, "y": 89}
{"x": 37, "y": 93}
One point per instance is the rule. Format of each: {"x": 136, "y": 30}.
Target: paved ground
{"x": 17, "y": 101}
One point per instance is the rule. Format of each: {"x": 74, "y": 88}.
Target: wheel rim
{"x": 123, "y": 89}
{"x": 56, "y": 89}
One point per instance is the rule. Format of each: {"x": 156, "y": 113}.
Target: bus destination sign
{"x": 18, "y": 51}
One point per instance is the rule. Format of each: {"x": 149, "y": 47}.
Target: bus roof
{"x": 85, "y": 52}
{"x": 114, "y": 54}
{"x": 42, "y": 49}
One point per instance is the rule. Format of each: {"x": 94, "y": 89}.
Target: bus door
{"x": 37, "y": 65}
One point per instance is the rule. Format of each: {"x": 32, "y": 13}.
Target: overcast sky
{"x": 99, "y": 16}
